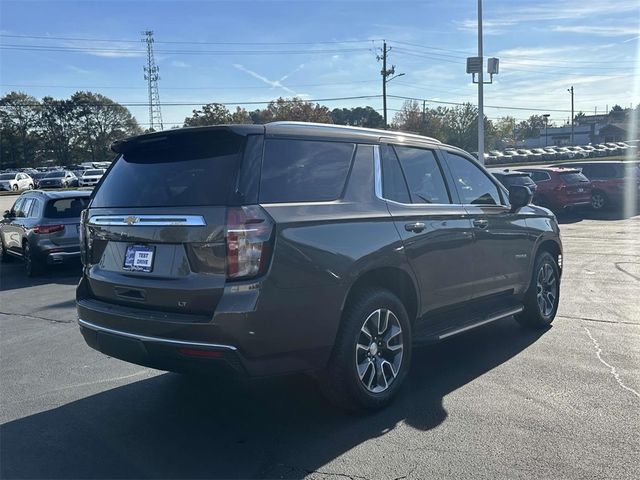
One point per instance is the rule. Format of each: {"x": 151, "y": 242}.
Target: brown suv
{"x": 290, "y": 247}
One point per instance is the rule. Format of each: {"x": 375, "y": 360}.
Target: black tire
{"x": 341, "y": 382}
{"x": 4, "y": 256}
{"x": 539, "y": 313}
{"x": 599, "y": 200}
{"x": 32, "y": 265}
{"x": 15, "y": 188}
{"x": 30, "y": 187}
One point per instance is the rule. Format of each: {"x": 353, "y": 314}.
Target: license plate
{"x": 139, "y": 258}
{"x": 580, "y": 190}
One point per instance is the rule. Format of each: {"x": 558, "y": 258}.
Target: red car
{"x": 560, "y": 188}
{"x": 608, "y": 179}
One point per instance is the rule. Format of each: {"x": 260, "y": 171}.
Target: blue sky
{"x": 325, "y": 49}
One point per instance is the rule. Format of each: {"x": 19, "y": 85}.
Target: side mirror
{"x": 519, "y": 196}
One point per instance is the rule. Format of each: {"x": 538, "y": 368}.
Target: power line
{"x": 183, "y": 42}
{"x": 130, "y": 51}
{"x": 18, "y": 85}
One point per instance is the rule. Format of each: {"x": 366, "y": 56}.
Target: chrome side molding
{"x": 147, "y": 220}
{"x": 145, "y": 338}
{"x": 492, "y": 318}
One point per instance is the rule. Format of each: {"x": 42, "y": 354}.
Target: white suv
{"x": 15, "y": 181}
{"x": 91, "y": 177}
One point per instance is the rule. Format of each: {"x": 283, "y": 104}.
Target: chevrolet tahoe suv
{"x": 294, "y": 247}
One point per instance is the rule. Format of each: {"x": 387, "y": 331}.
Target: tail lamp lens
{"x": 249, "y": 232}
{"x": 43, "y": 229}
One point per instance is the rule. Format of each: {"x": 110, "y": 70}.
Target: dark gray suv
{"x": 42, "y": 228}
{"x": 289, "y": 247}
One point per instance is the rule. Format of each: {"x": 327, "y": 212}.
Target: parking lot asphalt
{"x": 496, "y": 402}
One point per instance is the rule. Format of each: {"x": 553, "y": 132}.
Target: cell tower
{"x": 151, "y": 76}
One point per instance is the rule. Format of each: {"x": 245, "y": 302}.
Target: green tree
{"x": 100, "y": 122}
{"x": 19, "y": 141}
{"x": 460, "y": 125}
{"x": 530, "y": 128}
{"x": 366, "y": 117}
{"x": 295, "y": 109}
{"x": 504, "y": 132}
{"x": 59, "y": 129}
{"x": 241, "y": 116}
{"x": 409, "y": 118}
{"x": 209, "y": 114}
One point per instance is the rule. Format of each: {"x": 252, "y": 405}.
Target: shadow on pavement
{"x": 574, "y": 216}
{"x": 172, "y": 426}
{"x": 13, "y": 276}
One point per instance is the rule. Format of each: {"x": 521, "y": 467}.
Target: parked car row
{"x": 599, "y": 184}
{"x": 17, "y": 181}
{"x": 544, "y": 154}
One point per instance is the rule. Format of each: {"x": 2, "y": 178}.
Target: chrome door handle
{"x": 415, "y": 227}
{"x": 481, "y": 223}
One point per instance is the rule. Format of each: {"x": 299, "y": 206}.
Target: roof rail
{"x": 382, "y": 133}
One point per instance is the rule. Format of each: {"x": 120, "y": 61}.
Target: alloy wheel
{"x": 546, "y": 289}
{"x": 597, "y": 201}
{"x": 379, "y": 350}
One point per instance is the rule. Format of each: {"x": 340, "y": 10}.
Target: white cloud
{"x": 551, "y": 11}
{"x": 602, "y": 31}
{"x": 179, "y": 64}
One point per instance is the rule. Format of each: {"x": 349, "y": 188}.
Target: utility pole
{"x": 570, "y": 90}
{"x": 424, "y": 114}
{"x": 151, "y": 75}
{"x": 480, "y": 89}
{"x": 385, "y": 74}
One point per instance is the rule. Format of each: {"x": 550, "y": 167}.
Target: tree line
{"x": 83, "y": 127}
{"x": 68, "y": 131}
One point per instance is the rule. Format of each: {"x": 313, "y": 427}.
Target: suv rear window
{"x": 571, "y": 178}
{"x": 66, "y": 207}
{"x": 304, "y": 170}
{"x": 184, "y": 169}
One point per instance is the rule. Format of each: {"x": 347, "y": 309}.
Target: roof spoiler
{"x": 127, "y": 144}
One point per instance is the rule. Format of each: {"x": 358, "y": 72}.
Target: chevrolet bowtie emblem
{"x": 131, "y": 220}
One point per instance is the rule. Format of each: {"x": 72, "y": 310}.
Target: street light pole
{"x": 480, "y": 89}
{"x": 570, "y": 90}
{"x": 546, "y": 129}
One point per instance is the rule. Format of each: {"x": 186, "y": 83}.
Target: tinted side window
{"x": 473, "y": 185}
{"x": 424, "y": 178}
{"x": 394, "y": 186}
{"x": 25, "y": 207}
{"x": 36, "y": 209}
{"x": 17, "y": 207}
{"x": 304, "y": 170}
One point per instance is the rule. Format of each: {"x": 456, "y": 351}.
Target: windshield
{"x": 8, "y": 176}
{"x": 56, "y": 174}
{"x": 89, "y": 173}
{"x": 573, "y": 177}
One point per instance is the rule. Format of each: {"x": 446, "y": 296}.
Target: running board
{"x": 493, "y": 318}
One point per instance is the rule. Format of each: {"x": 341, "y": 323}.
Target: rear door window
{"x": 423, "y": 175}
{"x": 394, "y": 185}
{"x": 184, "y": 169}
{"x": 304, "y": 170}
{"x": 474, "y": 186}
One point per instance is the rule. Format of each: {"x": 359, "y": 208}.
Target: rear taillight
{"x": 42, "y": 229}
{"x": 249, "y": 232}
{"x": 84, "y": 249}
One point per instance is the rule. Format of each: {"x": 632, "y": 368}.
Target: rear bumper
{"x": 162, "y": 353}
{"x": 296, "y": 335}
{"x": 62, "y": 257}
